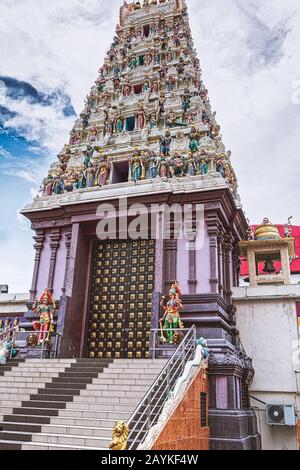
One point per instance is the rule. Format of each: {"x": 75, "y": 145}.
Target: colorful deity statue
{"x": 140, "y": 118}
{"x": 163, "y": 167}
{"x": 119, "y": 123}
{"x": 152, "y": 122}
{"x": 203, "y": 165}
{"x": 160, "y": 110}
{"x": 89, "y": 175}
{"x": 165, "y": 144}
{"x": 93, "y": 134}
{"x": 153, "y": 163}
{"x": 45, "y": 308}
{"x": 137, "y": 163}
{"x": 103, "y": 172}
{"x": 133, "y": 62}
{"x": 155, "y": 87}
{"x": 171, "y": 322}
{"x": 194, "y": 140}
{"x": 88, "y": 155}
{"x": 47, "y": 185}
{"x": 127, "y": 89}
{"x": 149, "y": 58}
{"x": 186, "y": 100}
{"x": 146, "y": 85}
{"x": 171, "y": 119}
{"x": 191, "y": 165}
{"x": 171, "y": 84}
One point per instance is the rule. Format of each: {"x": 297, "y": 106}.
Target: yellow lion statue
{"x": 119, "y": 436}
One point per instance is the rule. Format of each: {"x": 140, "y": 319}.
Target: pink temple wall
{"x": 202, "y": 263}
{"x": 183, "y": 266}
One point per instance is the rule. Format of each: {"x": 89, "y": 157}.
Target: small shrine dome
{"x": 267, "y": 231}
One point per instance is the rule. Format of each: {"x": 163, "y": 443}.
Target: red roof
{"x": 295, "y": 266}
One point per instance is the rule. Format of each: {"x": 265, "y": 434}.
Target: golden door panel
{"x": 121, "y": 299}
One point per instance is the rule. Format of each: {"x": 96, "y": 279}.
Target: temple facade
{"x": 147, "y": 137}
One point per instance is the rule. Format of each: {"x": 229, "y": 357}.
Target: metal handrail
{"x": 149, "y": 409}
{"x": 5, "y": 335}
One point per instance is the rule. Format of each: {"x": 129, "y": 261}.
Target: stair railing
{"x": 149, "y": 410}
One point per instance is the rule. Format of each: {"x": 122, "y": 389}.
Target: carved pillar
{"x": 228, "y": 268}
{"x": 213, "y": 232}
{"x": 68, "y": 239}
{"x": 38, "y": 246}
{"x": 220, "y": 264}
{"x": 55, "y": 237}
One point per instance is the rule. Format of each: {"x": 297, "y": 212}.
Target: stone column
{"x": 55, "y": 237}
{"x": 68, "y": 239}
{"x": 39, "y": 239}
{"x": 220, "y": 264}
{"x": 285, "y": 265}
{"x": 228, "y": 268}
{"x": 213, "y": 232}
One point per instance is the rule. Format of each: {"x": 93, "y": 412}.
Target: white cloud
{"x": 4, "y": 153}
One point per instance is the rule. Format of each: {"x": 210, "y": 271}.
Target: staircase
{"x": 63, "y": 404}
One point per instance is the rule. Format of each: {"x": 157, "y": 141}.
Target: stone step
{"x": 27, "y": 377}
{"x": 98, "y": 406}
{"x": 56, "y": 405}
{"x": 20, "y": 386}
{"x": 59, "y": 391}
{"x": 82, "y": 375}
{"x": 82, "y": 431}
{"x": 10, "y": 445}
{"x": 62, "y": 439}
{"x": 35, "y": 411}
{"x": 72, "y": 380}
{"x": 60, "y": 421}
{"x": 94, "y": 414}
{"x": 97, "y": 396}
{"x": 130, "y": 375}
{"x": 51, "y": 398}
{"x": 65, "y": 385}
{"x": 116, "y": 384}
{"x": 125, "y": 372}
{"x": 85, "y": 370}
{"x": 42, "y": 446}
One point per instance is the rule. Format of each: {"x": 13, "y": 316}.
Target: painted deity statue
{"x": 102, "y": 173}
{"x": 171, "y": 322}
{"x": 153, "y": 162}
{"x": 137, "y": 167}
{"x": 119, "y": 125}
{"x": 140, "y": 118}
{"x": 165, "y": 144}
{"x": 194, "y": 140}
{"x": 45, "y": 308}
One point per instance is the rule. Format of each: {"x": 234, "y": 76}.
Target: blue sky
{"x": 51, "y": 51}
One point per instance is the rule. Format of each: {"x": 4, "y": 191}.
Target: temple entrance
{"x": 122, "y": 284}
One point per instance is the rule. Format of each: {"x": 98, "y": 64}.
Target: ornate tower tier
{"x": 147, "y": 135}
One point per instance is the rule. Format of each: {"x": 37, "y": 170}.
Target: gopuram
{"x": 147, "y": 136}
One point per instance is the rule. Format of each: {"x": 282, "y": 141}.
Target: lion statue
{"x": 119, "y": 436}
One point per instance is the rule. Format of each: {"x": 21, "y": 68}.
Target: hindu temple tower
{"x": 147, "y": 134}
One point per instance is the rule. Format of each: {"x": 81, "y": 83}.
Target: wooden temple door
{"x": 120, "y": 312}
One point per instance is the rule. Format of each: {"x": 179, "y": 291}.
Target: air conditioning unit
{"x": 281, "y": 415}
